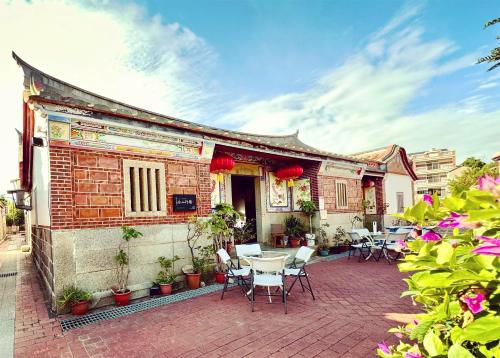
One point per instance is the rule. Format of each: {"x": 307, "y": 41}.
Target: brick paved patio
{"x": 356, "y": 304}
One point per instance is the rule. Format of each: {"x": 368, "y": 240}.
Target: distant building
{"x": 496, "y": 158}
{"x": 432, "y": 169}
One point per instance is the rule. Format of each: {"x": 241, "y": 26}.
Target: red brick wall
{"x": 87, "y": 188}
{"x": 327, "y": 189}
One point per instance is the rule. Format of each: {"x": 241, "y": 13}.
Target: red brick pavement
{"x": 356, "y": 304}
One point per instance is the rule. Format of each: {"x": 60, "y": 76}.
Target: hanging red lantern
{"x": 289, "y": 173}
{"x": 369, "y": 184}
{"x": 220, "y": 164}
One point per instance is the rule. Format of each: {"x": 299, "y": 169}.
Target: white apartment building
{"x": 432, "y": 169}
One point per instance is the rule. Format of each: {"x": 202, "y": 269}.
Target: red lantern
{"x": 369, "y": 184}
{"x": 289, "y": 173}
{"x": 221, "y": 164}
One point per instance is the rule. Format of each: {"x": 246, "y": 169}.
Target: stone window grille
{"x": 341, "y": 191}
{"x": 144, "y": 188}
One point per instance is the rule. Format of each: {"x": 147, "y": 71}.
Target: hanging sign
{"x": 184, "y": 202}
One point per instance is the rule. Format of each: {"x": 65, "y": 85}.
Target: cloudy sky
{"x": 350, "y": 75}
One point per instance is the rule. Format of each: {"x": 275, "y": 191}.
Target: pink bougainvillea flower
{"x": 402, "y": 245}
{"x": 488, "y": 183}
{"x": 413, "y": 355}
{"x": 384, "y": 348}
{"x": 431, "y": 236}
{"x": 427, "y": 199}
{"x": 456, "y": 220}
{"x": 492, "y": 246}
{"x": 475, "y": 303}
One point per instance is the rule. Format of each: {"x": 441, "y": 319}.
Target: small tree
{"x": 122, "y": 257}
{"x": 221, "y": 226}
{"x": 309, "y": 208}
{"x": 196, "y": 231}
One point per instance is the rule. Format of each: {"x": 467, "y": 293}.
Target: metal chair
{"x": 241, "y": 275}
{"x": 357, "y": 243}
{"x": 267, "y": 272}
{"x": 389, "y": 244}
{"x": 299, "y": 271}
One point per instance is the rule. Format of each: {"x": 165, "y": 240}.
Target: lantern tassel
{"x": 220, "y": 177}
{"x": 290, "y": 183}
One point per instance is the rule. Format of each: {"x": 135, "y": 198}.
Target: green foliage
{"x": 455, "y": 279}
{"x": 322, "y": 236}
{"x": 122, "y": 257}
{"x": 246, "y": 232}
{"x": 494, "y": 56}
{"x": 470, "y": 176}
{"x": 472, "y": 162}
{"x": 339, "y": 237}
{"x": 72, "y": 295}
{"x": 221, "y": 225}
{"x": 309, "y": 208}
{"x": 167, "y": 275}
{"x": 293, "y": 226}
{"x": 14, "y": 216}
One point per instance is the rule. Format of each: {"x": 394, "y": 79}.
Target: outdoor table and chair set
{"x": 375, "y": 245}
{"x": 267, "y": 270}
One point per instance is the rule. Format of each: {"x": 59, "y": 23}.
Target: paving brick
{"x": 330, "y": 326}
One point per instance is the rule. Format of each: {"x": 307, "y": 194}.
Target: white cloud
{"x": 363, "y": 103}
{"x": 118, "y": 52}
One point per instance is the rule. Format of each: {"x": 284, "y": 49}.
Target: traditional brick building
{"x": 93, "y": 164}
{"x": 387, "y": 184}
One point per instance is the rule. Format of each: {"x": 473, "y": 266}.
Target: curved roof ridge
{"x": 58, "y": 92}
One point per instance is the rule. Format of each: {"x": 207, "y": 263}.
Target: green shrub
{"x": 456, "y": 276}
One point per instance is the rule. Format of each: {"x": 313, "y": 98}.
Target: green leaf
{"x": 433, "y": 344}
{"x": 457, "y": 351}
{"x": 484, "y": 214}
{"x": 418, "y": 212}
{"x": 445, "y": 253}
{"x": 421, "y": 329}
{"x": 453, "y": 203}
{"x": 482, "y": 330}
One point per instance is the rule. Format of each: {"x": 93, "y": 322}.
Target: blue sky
{"x": 350, "y": 75}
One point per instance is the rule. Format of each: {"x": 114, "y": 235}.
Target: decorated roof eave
{"x": 118, "y": 109}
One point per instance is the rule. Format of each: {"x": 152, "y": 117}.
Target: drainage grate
{"x": 7, "y": 274}
{"x": 77, "y": 322}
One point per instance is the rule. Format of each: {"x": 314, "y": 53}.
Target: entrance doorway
{"x": 243, "y": 197}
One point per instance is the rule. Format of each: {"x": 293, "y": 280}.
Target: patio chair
{"x": 277, "y": 235}
{"x": 267, "y": 272}
{"x": 356, "y": 243}
{"x": 389, "y": 244}
{"x": 241, "y": 275}
{"x": 298, "y": 271}
{"x": 247, "y": 250}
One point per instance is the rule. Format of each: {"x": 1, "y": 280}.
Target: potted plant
{"x": 221, "y": 225}
{"x": 77, "y": 299}
{"x": 293, "y": 229}
{"x": 339, "y": 241}
{"x": 196, "y": 230}
{"x": 166, "y": 277}
{"x": 309, "y": 208}
{"x": 244, "y": 232}
{"x": 122, "y": 258}
{"x": 323, "y": 240}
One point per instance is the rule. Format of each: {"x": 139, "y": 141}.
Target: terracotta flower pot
{"x": 165, "y": 288}
{"x": 193, "y": 280}
{"x": 220, "y": 277}
{"x": 122, "y": 299}
{"x": 294, "y": 242}
{"x": 80, "y": 308}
